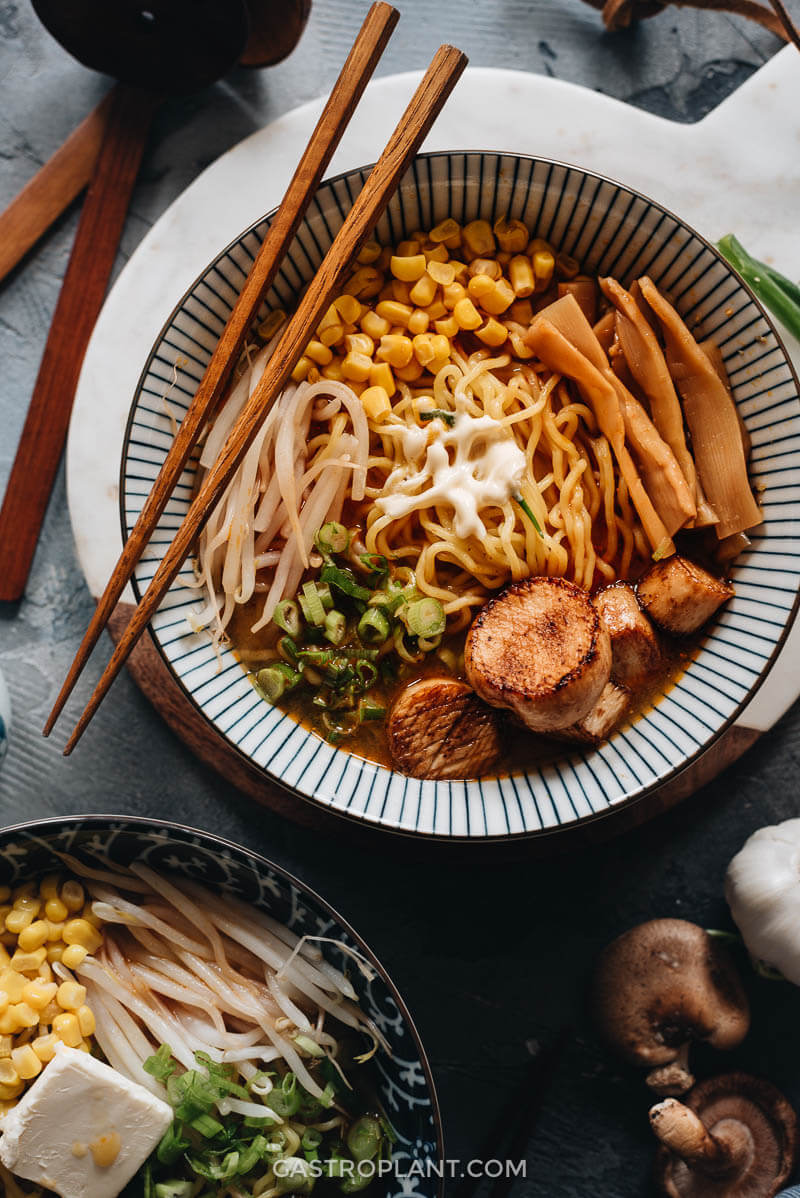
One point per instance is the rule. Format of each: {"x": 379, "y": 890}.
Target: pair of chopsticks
{"x": 425, "y": 105}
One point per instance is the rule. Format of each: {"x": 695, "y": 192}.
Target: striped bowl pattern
{"x": 611, "y": 230}
{"x": 401, "y": 1079}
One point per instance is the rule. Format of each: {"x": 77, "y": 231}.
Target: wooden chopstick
{"x": 426, "y": 104}
{"x": 347, "y": 91}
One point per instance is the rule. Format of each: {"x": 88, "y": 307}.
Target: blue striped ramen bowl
{"x": 612, "y": 230}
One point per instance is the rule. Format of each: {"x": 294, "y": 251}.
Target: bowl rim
{"x": 141, "y": 823}
{"x": 412, "y": 833}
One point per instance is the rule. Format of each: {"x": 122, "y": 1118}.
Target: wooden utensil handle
{"x": 52, "y": 189}
{"x": 79, "y": 303}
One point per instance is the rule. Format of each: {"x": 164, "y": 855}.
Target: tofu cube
{"x": 82, "y": 1129}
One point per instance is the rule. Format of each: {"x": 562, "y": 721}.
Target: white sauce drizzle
{"x": 485, "y": 469}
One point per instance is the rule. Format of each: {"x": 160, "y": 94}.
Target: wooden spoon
{"x": 154, "y": 47}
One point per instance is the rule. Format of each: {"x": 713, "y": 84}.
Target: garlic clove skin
{"x": 762, "y": 886}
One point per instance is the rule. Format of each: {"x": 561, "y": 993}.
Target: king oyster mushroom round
{"x": 735, "y": 1137}
{"x": 660, "y": 986}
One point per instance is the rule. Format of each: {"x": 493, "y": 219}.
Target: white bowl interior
{"x": 610, "y": 230}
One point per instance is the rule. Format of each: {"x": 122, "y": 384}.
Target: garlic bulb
{"x": 762, "y": 887}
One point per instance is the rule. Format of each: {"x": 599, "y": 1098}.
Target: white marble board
{"x": 737, "y": 170}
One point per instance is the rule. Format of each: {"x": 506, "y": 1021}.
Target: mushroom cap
{"x": 663, "y": 984}
{"x": 751, "y": 1116}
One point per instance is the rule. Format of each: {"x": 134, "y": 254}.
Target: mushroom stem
{"x": 681, "y": 1131}
{"x": 672, "y": 1078}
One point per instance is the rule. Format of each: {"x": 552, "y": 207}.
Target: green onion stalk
{"x": 775, "y": 291}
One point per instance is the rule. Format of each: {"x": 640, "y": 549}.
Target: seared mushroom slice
{"x": 539, "y": 649}
{"x": 735, "y": 1137}
{"x": 635, "y": 651}
{"x": 680, "y": 596}
{"x": 439, "y": 728}
{"x": 662, "y": 985}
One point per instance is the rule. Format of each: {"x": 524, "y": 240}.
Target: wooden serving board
{"x": 697, "y": 170}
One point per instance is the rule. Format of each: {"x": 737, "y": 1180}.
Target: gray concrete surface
{"x": 491, "y": 958}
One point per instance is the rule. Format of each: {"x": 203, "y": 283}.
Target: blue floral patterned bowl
{"x": 403, "y": 1080}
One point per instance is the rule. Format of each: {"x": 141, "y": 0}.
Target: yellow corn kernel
{"x": 26, "y": 1062}
{"x": 411, "y": 372}
{"x": 466, "y": 315}
{"x": 49, "y": 885}
{"x": 34, "y": 936}
{"x": 55, "y": 953}
{"x": 498, "y": 299}
{"x": 299, "y": 373}
{"x": 436, "y": 310}
{"x": 54, "y": 909}
{"x": 387, "y": 293}
{"x": 45, "y": 1047}
{"x": 485, "y": 266}
{"x": 394, "y": 312}
{"x": 448, "y": 232}
{"x": 369, "y": 253}
{"x": 67, "y": 1029}
{"x": 6, "y": 1044}
{"x": 437, "y": 254}
{"x": 72, "y": 893}
{"x": 330, "y": 318}
{"x": 18, "y": 920}
{"x": 44, "y": 973}
{"x": 522, "y": 312}
{"x": 86, "y": 1020}
{"x": 38, "y": 994}
{"x": 80, "y": 931}
{"x": 376, "y": 404}
{"x": 374, "y": 325}
{"x": 348, "y": 308}
{"x": 71, "y": 995}
{"x": 266, "y": 331}
{"x": 493, "y": 333}
{"x": 395, "y": 349}
{"x": 441, "y": 346}
{"x": 365, "y": 283}
{"x": 408, "y": 269}
{"x": 25, "y": 1015}
{"x": 318, "y": 353}
{"x": 401, "y": 292}
{"x": 543, "y": 266}
{"x": 359, "y": 343}
{"x": 423, "y": 291}
{"x": 8, "y": 1022}
{"x": 381, "y": 376}
{"x": 25, "y": 890}
{"x": 478, "y": 239}
{"x": 313, "y": 375}
{"x": 356, "y": 366}
{"x": 449, "y": 327}
{"x": 407, "y": 249}
{"x": 4, "y": 957}
{"x": 332, "y": 371}
{"x": 54, "y": 931}
{"x": 5, "y": 894}
{"x": 423, "y": 348}
{"x": 12, "y": 983}
{"x": 512, "y": 235}
{"x": 452, "y": 294}
{"x": 4, "y": 1001}
{"x": 49, "y": 1013}
{"x": 28, "y": 962}
{"x": 443, "y": 273}
{"x": 88, "y": 914}
{"x": 520, "y": 273}
{"x": 567, "y": 266}
{"x": 8, "y": 1072}
{"x": 8, "y": 1094}
{"x": 331, "y": 335}
{"x": 418, "y": 322}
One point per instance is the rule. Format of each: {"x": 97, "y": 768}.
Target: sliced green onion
{"x": 316, "y": 657}
{"x": 311, "y": 603}
{"x": 173, "y": 1189}
{"x": 206, "y": 1126}
{"x": 160, "y": 1065}
{"x": 276, "y": 679}
{"x": 367, "y": 673}
{"x": 364, "y": 1138}
{"x": 324, "y": 592}
{"x": 370, "y": 711}
{"x": 344, "y": 581}
{"x": 373, "y": 627}
{"x": 775, "y": 291}
{"x": 523, "y": 503}
{"x": 335, "y": 627}
{"x": 287, "y": 617}
{"x": 284, "y": 1100}
{"x": 425, "y": 617}
{"x": 374, "y": 563}
{"x": 439, "y": 414}
{"x": 294, "y": 1177}
{"x": 332, "y": 538}
{"x": 288, "y": 649}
